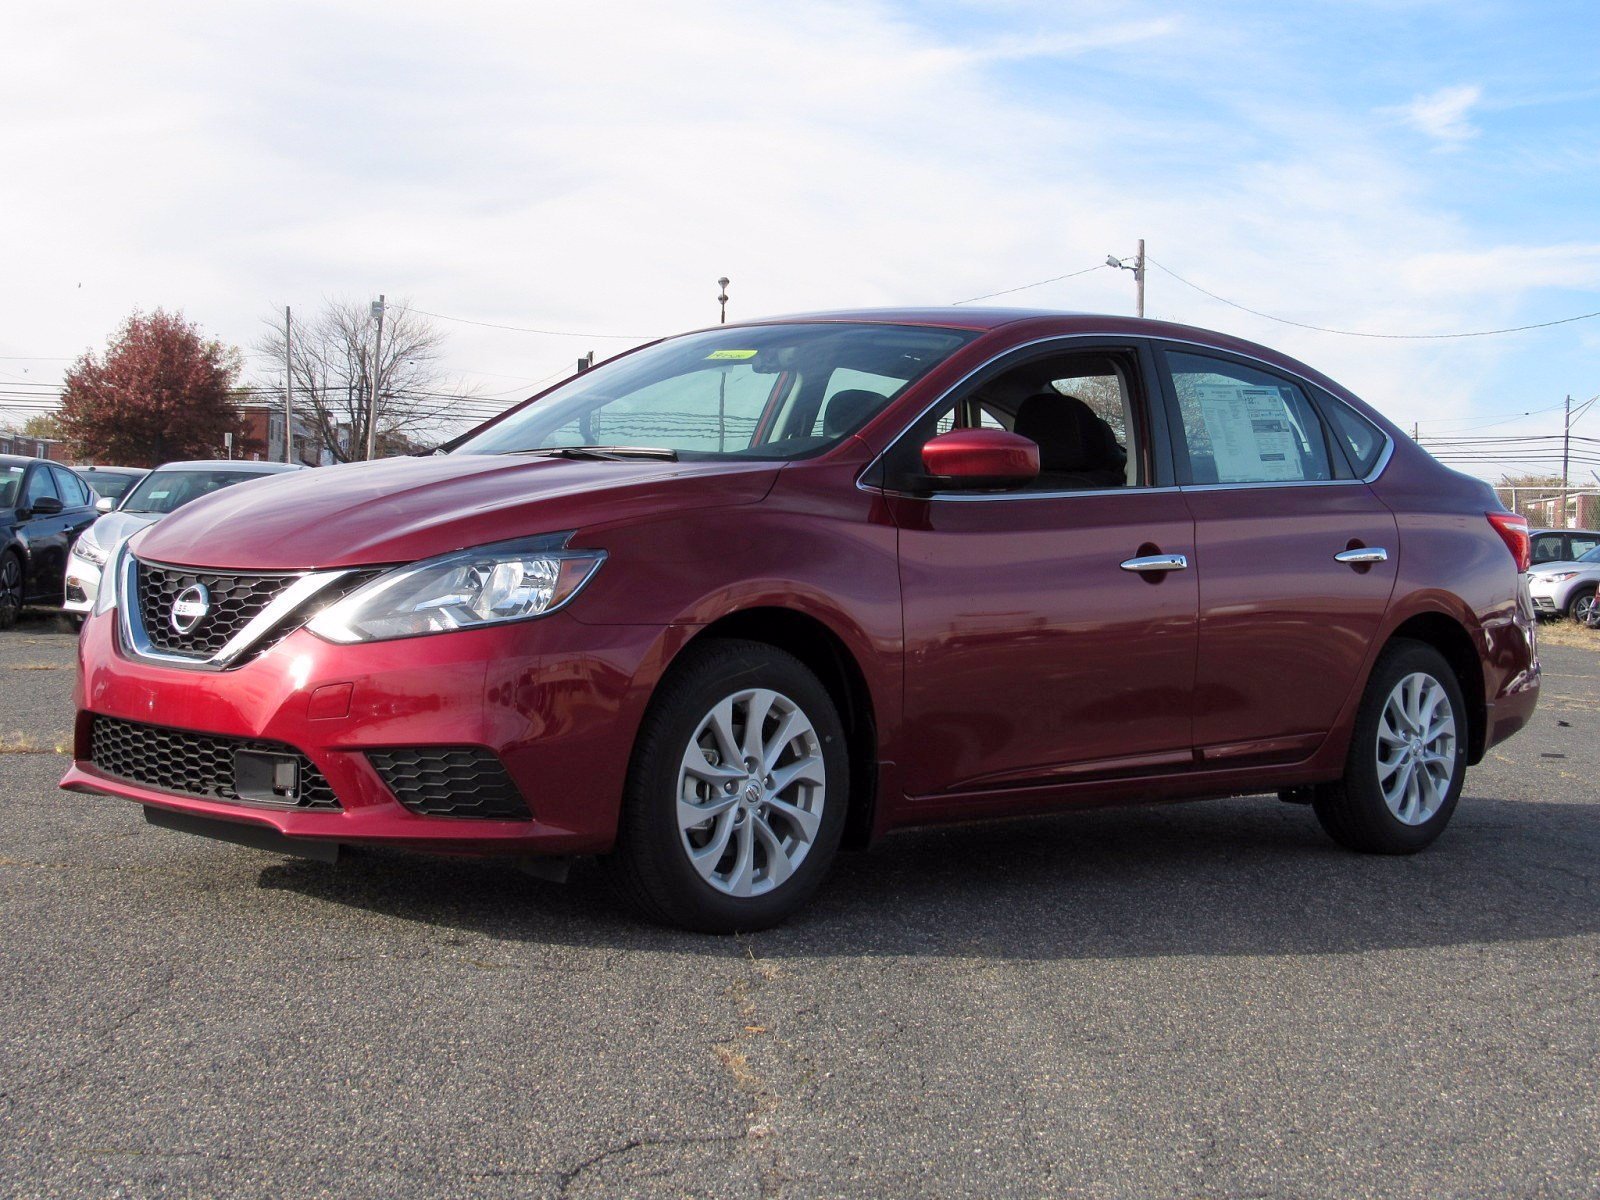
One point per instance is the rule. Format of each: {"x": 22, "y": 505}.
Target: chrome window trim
{"x": 137, "y": 642}
{"x": 1155, "y": 342}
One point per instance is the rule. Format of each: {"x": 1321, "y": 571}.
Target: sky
{"x": 1384, "y": 166}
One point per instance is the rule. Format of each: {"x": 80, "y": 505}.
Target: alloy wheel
{"x": 1583, "y": 609}
{"x": 751, "y": 791}
{"x": 10, "y": 586}
{"x": 1416, "y": 749}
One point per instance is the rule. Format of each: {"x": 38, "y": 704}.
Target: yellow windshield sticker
{"x": 732, "y": 354}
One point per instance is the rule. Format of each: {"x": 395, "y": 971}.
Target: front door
{"x": 1033, "y": 655}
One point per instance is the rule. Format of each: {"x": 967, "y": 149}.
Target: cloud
{"x": 1442, "y": 114}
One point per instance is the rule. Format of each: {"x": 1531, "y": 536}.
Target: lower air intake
{"x": 451, "y": 781}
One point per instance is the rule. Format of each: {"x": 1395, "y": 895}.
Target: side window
{"x": 1079, "y": 408}
{"x": 1363, "y": 442}
{"x": 39, "y": 486}
{"x": 1242, "y": 425}
{"x": 1582, "y": 543}
{"x": 73, "y": 493}
{"x": 1547, "y": 548}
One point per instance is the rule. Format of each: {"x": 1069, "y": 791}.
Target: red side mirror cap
{"x": 980, "y": 458}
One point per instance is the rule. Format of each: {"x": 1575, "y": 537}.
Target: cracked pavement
{"x": 1195, "y": 1001}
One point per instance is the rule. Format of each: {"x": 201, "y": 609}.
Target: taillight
{"x": 1513, "y": 531}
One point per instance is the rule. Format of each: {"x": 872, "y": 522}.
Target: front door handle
{"x": 1157, "y": 562}
{"x": 1364, "y": 554}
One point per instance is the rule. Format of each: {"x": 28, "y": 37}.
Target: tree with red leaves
{"x": 162, "y": 392}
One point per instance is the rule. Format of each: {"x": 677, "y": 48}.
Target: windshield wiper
{"x": 606, "y": 453}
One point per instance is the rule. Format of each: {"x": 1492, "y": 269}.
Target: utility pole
{"x": 377, "y": 373}
{"x": 1138, "y": 275}
{"x": 1566, "y": 458}
{"x": 1138, "y": 278}
{"x": 288, "y": 387}
{"x": 722, "y": 300}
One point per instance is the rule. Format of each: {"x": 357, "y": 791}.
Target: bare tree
{"x": 333, "y": 373}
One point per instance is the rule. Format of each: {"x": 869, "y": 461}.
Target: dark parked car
{"x": 43, "y": 508}
{"x": 736, "y": 598}
{"x": 111, "y": 484}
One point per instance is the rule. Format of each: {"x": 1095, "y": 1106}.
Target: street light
{"x": 1137, "y": 267}
{"x": 722, "y": 299}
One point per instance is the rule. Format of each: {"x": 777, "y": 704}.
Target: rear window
{"x": 1363, "y": 441}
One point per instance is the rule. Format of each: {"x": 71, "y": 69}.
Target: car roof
{"x": 1555, "y": 529}
{"x": 245, "y": 466}
{"x": 1048, "y": 323}
{"x": 113, "y": 470}
{"x": 22, "y": 460}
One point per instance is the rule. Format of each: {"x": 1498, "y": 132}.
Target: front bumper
{"x": 557, "y": 701}
{"x": 1550, "y": 598}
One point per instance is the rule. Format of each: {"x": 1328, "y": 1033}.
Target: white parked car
{"x": 164, "y": 490}
{"x": 1566, "y": 588}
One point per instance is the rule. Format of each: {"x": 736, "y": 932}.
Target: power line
{"x": 621, "y": 337}
{"x": 1395, "y": 337}
{"x": 1024, "y": 287}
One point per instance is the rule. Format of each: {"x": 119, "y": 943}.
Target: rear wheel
{"x": 736, "y": 793}
{"x": 1581, "y": 607}
{"x": 1407, "y": 758}
{"x": 10, "y": 589}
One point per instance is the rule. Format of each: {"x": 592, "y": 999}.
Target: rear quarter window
{"x": 1363, "y": 442}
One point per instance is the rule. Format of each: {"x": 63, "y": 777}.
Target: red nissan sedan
{"x": 738, "y": 598}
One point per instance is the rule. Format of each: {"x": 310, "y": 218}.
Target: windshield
{"x": 164, "y": 491}
{"x": 114, "y": 487}
{"x": 777, "y": 391}
{"x": 10, "y": 483}
{"x": 1592, "y": 556}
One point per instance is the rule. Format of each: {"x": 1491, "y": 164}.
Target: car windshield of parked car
{"x": 164, "y": 491}
{"x": 110, "y": 487}
{"x": 10, "y": 485}
{"x": 1592, "y": 557}
{"x": 775, "y": 391}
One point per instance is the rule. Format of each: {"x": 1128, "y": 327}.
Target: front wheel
{"x": 736, "y": 793}
{"x": 1407, "y": 758}
{"x": 10, "y": 589}
{"x": 1581, "y": 607}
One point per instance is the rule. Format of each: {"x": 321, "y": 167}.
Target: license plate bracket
{"x": 261, "y": 777}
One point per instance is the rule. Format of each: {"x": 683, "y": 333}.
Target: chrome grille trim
{"x": 137, "y": 641}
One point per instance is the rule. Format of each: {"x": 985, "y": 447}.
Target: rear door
{"x": 1297, "y": 556}
{"x": 44, "y": 534}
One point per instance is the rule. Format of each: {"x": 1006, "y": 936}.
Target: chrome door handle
{"x": 1366, "y": 554}
{"x": 1157, "y": 562}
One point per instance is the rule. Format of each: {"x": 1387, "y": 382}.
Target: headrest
{"x": 1070, "y": 436}
{"x": 847, "y": 409}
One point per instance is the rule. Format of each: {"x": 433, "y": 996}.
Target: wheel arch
{"x": 1451, "y": 639}
{"x": 827, "y": 654}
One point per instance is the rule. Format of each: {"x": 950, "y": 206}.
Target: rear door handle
{"x": 1157, "y": 562}
{"x": 1365, "y": 554}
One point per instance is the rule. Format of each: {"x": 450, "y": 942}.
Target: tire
{"x": 1580, "y": 606}
{"x": 754, "y": 830}
{"x": 10, "y": 589}
{"x": 1409, "y": 678}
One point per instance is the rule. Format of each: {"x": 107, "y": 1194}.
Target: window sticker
{"x": 1252, "y": 435}
{"x": 737, "y": 354}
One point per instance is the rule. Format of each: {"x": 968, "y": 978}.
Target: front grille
{"x": 192, "y": 764}
{"x": 235, "y": 600}
{"x": 450, "y": 781}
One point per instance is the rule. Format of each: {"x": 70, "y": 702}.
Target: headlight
{"x": 487, "y": 585}
{"x": 106, "y": 598}
{"x": 90, "y": 550}
{"x": 1560, "y": 576}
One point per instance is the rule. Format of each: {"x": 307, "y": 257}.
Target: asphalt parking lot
{"x": 1206, "y": 1000}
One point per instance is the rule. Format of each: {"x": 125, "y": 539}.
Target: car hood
{"x": 113, "y": 527}
{"x": 404, "y": 509}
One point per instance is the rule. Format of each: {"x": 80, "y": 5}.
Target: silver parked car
{"x": 1567, "y": 588}
{"x": 162, "y": 491}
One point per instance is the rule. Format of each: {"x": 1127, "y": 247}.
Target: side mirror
{"x": 981, "y": 458}
{"x": 46, "y": 506}
{"x": 104, "y": 504}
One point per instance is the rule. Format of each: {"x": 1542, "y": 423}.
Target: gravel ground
{"x": 1206, "y": 1000}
